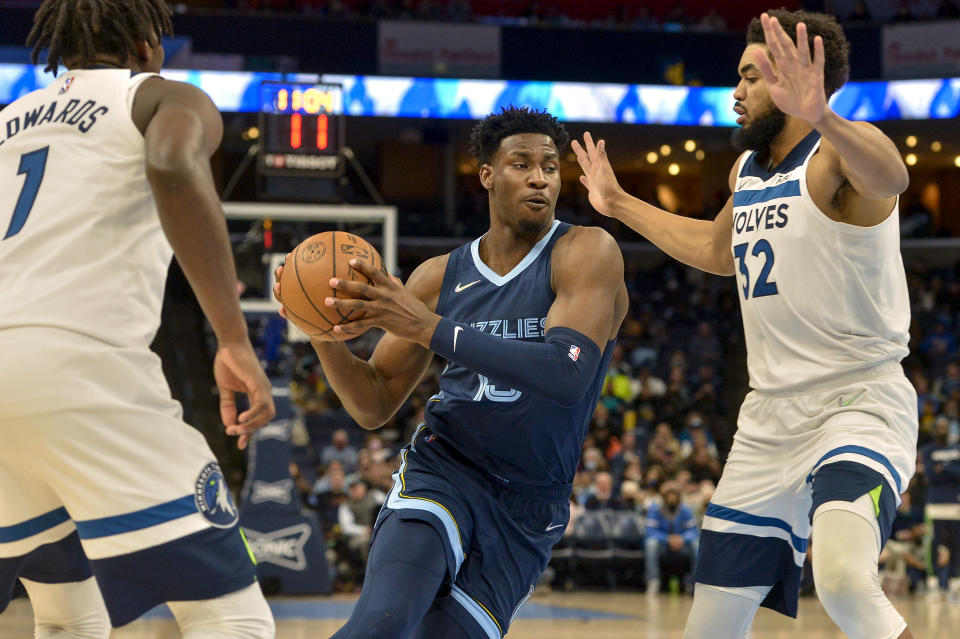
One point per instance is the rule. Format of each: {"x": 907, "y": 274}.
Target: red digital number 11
{"x": 322, "y": 124}
{"x": 296, "y": 130}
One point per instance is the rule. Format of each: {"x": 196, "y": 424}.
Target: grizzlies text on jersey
{"x": 510, "y": 433}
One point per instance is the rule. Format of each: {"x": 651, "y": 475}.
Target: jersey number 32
{"x": 763, "y": 285}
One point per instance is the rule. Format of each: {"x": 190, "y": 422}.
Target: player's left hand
{"x": 386, "y": 304}
{"x": 796, "y": 85}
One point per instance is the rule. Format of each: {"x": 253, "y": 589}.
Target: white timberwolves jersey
{"x": 820, "y": 298}
{"x": 81, "y": 248}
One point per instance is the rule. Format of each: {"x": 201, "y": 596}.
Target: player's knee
{"x": 851, "y": 594}
{"x": 90, "y": 625}
{"x": 72, "y": 610}
{"x": 243, "y": 614}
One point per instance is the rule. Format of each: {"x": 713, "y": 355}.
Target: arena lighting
{"x": 956, "y": 161}
{"x": 689, "y": 146}
{"x": 911, "y": 159}
{"x": 673, "y": 169}
{"x": 652, "y": 157}
{"x": 665, "y": 150}
{"x": 443, "y": 98}
{"x": 935, "y": 146}
{"x": 700, "y": 154}
{"x": 911, "y": 141}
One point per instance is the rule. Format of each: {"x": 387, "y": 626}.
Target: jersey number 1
{"x": 33, "y": 164}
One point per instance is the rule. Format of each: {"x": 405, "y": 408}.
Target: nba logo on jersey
{"x": 574, "y": 353}
{"x": 66, "y": 85}
{"x": 212, "y": 497}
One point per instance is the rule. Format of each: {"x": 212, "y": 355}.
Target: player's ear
{"x": 144, "y": 51}
{"x": 486, "y": 176}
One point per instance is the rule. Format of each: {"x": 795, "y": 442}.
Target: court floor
{"x": 576, "y": 615}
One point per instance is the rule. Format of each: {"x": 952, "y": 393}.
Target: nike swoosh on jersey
{"x": 460, "y": 287}
{"x": 852, "y": 399}
{"x": 553, "y": 527}
{"x": 456, "y": 333}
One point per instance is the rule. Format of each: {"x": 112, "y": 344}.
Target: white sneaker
{"x": 653, "y": 587}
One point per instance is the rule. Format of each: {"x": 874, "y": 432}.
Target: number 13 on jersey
{"x": 763, "y": 285}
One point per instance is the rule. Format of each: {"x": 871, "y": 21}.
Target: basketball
{"x": 305, "y": 281}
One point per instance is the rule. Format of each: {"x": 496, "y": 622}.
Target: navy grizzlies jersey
{"x": 508, "y": 432}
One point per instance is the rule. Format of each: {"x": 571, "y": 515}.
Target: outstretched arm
{"x": 183, "y": 132}
{"x": 699, "y": 243}
{"x": 864, "y": 156}
{"x": 588, "y": 280}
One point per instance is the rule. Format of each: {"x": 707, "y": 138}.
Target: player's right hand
{"x": 237, "y": 369}
{"x": 598, "y": 175}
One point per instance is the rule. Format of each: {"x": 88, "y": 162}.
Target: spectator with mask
{"x": 941, "y": 464}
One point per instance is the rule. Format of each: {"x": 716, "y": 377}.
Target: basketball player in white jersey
{"x": 103, "y": 176}
{"x": 826, "y": 441}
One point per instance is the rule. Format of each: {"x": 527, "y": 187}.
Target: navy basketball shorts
{"x": 498, "y": 535}
{"x": 100, "y": 475}
{"x": 794, "y": 453}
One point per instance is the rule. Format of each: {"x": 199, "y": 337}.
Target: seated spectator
{"x": 702, "y": 462}
{"x": 672, "y": 535}
{"x": 603, "y": 497}
{"x": 664, "y": 449}
{"x": 695, "y": 425}
{"x": 628, "y": 451}
{"x": 328, "y": 493}
{"x": 631, "y": 496}
{"x": 902, "y": 560}
{"x": 355, "y": 516}
{"x": 339, "y": 450}
{"x": 704, "y": 347}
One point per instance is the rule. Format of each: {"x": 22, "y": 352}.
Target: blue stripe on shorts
{"x": 741, "y": 517}
{"x": 34, "y": 526}
{"x": 137, "y": 520}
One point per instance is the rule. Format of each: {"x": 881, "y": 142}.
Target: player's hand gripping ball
{"x": 305, "y": 281}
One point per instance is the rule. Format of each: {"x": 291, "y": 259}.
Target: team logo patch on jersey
{"x": 574, "y": 353}
{"x": 66, "y": 85}
{"x": 213, "y": 498}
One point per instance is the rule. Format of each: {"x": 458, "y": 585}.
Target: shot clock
{"x": 301, "y": 129}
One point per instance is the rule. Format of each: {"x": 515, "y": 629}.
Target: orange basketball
{"x": 305, "y": 281}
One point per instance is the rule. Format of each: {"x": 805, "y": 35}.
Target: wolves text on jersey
{"x": 764, "y": 216}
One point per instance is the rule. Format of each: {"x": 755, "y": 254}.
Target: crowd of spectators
{"x": 658, "y": 436}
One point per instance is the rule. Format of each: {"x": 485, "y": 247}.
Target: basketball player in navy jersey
{"x": 525, "y": 316}
{"x": 826, "y": 441}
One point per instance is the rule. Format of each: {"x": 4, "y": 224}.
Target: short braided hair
{"x": 488, "y": 133}
{"x": 80, "y": 29}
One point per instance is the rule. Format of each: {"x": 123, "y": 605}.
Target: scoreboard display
{"x": 301, "y": 129}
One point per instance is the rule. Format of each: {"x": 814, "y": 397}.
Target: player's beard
{"x": 760, "y": 132}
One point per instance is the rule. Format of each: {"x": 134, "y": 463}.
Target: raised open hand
{"x": 796, "y": 85}
{"x": 598, "y": 175}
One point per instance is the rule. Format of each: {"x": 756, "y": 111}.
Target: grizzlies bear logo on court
{"x": 213, "y": 497}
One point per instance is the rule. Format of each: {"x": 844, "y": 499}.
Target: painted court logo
{"x": 213, "y": 498}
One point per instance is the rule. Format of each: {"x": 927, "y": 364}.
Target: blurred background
{"x": 370, "y": 103}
